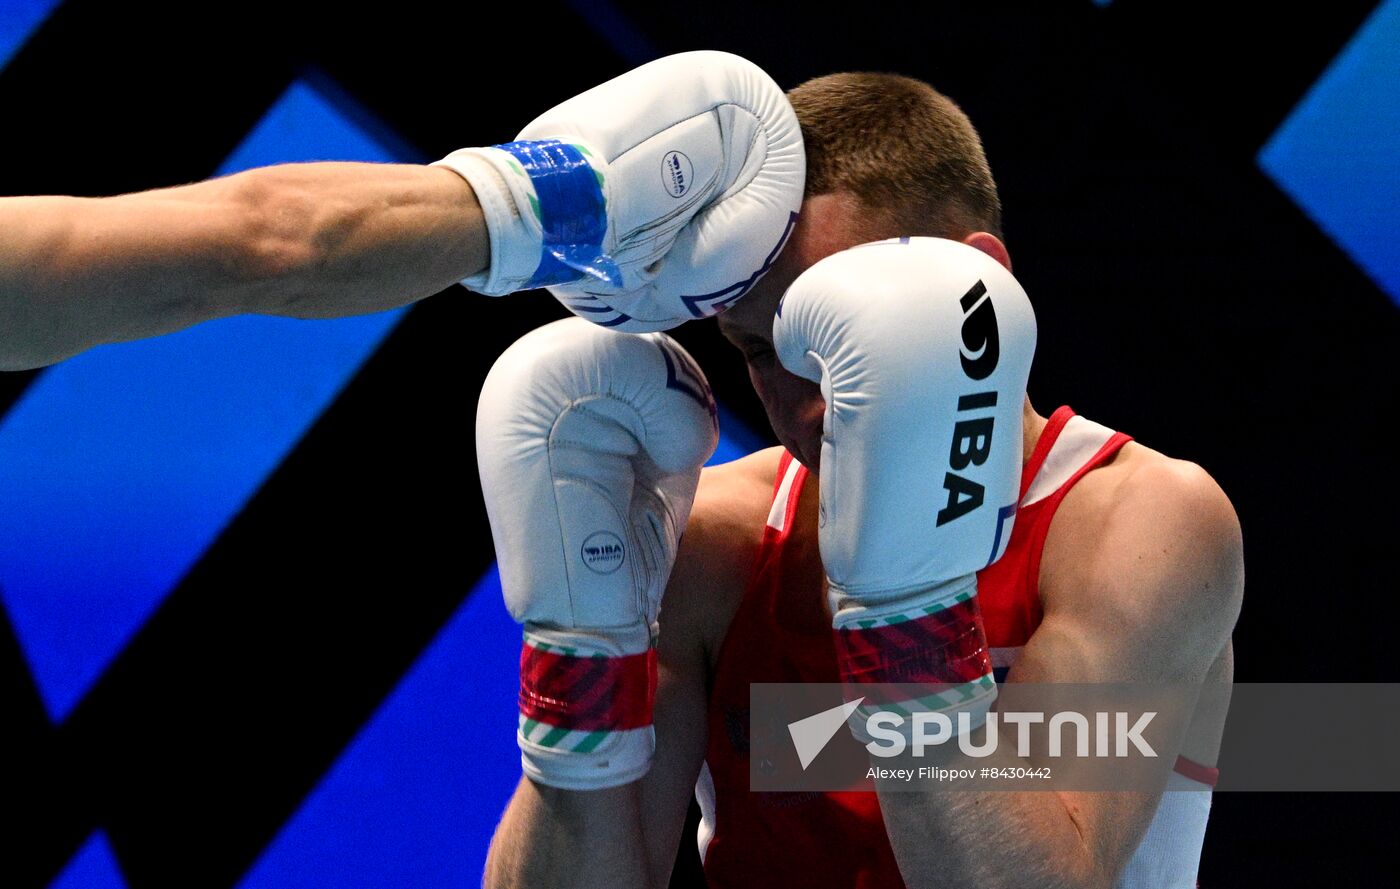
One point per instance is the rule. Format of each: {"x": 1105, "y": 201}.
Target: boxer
{"x": 1122, "y": 564}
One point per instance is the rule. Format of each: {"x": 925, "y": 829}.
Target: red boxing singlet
{"x": 782, "y": 633}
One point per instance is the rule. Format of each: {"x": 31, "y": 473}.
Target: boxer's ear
{"x": 991, "y": 245}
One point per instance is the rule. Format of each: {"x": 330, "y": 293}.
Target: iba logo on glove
{"x": 972, "y": 436}
{"x": 676, "y": 173}
{"x": 602, "y": 552}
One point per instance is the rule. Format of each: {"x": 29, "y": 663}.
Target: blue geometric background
{"x": 126, "y": 464}
{"x": 93, "y": 867}
{"x": 19, "y": 19}
{"x": 1338, "y": 153}
{"x": 121, "y": 466}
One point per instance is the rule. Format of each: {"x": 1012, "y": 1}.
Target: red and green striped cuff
{"x": 564, "y": 691}
{"x": 937, "y": 644}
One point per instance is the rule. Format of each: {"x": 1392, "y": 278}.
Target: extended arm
{"x": 330, "y": 239}
{"x": 304, "y": 240}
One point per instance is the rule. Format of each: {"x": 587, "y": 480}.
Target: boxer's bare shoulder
{"x": 1150, "y": 545}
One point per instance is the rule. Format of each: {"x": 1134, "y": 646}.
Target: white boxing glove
{"x": 590, "y": 444}
{"x": 922, "y": 347}
{"x": 659, "y": 196}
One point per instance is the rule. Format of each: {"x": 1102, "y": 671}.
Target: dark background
{"x": 1181, "y": 295}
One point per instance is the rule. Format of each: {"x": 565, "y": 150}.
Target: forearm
{"x": 303, "y": 240}
{"x": 566, "y": 838}
{"x": 990, "y": 839}
{"x": 1053, "y": 838}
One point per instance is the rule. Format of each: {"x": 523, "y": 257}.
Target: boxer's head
{"x": 887, "y": 156}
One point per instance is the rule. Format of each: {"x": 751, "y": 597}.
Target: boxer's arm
{"x": 627, "y": 836}
{"x": 1148, "y": 592}
{"x": 302, "y": 240}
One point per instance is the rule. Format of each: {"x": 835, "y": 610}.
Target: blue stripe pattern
{"x": 93, "y": 867}
{"x": 19, "y": 19}
{"x": 118, "y": 468}
{"x": 1337, "y": 155}
{"x": 414, "y": 799}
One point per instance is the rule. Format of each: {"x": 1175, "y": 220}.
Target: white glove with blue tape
{"x": 657, "y": 197}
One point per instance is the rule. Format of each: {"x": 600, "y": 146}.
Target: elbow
{"x": 275, "y": 251}
{"x": 1086, "y": 880}
{"x": 1087, "y": 877}
{"x": 1091, "y": 877}
{"x": 16, "y": 363}
{"x": 25, "y": 347}
{"x": 13, "y": 362}
{"x": 13, "y": 356}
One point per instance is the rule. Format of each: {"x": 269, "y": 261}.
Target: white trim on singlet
{"x": 705, "y": 796}
{"x": 1076, "y": 445}
{"x": 778, "y": 514}
{"x": 1169, "y": 855}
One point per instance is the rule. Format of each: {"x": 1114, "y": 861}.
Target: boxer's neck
{"x": 1033, "y": 425}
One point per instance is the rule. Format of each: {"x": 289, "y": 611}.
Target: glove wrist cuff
{"x": 586, "y": 706}
{"x": 545, "y": 213}
{"x": 934, "y": 635}
{"x": 616, "y": 759}
{"x": 927, "y": 649}
{"x": 516, "y": 239}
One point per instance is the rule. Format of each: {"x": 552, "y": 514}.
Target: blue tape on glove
{"x": 572, "y": 213}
